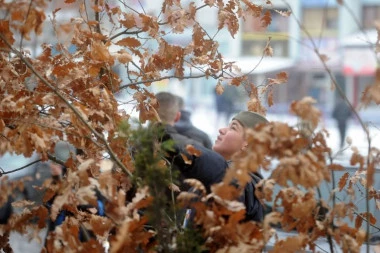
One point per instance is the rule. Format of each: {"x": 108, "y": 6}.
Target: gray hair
{"x": 181, "y": 103}
{"x": 168, "y": 106}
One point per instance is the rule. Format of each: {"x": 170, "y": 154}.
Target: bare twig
{"x": 159, "y": 79}
{"x": 26, "y": 18}
{"x": 2, "y": 172}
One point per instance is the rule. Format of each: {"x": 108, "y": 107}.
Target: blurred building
{"x": 344, "y": 34}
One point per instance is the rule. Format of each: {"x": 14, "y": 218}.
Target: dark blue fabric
{"x": 210, "y": 168}
{"x": 6, "y": 211}
{"x": 186, "y": 128}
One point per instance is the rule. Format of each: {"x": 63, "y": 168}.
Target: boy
{"x": 210, "y": 167}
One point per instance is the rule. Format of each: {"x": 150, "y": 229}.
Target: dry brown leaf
{"x": 196, "y": 184}
{"x": 268, "y": 50}
{"x": 124, "y": 57}
{"x": 324, "y": 57}
{"x": 343, "y": 181}
{"x": 335, "y": 167}
{"x": 129, "y": 42}
{"x": 193, "y": 151}
{"x": 281, "y": 77}
{"x": 186, "y": 159}
{"x": 266, "y": 20}
{"x": 22, "y": 203}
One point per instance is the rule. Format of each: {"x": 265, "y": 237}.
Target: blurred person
{"x": 63, "y": 151}
{"x": 6, "y": 211}
{"x": 225, "y": 105}
{"x": 341, "y": 113}
{"x": 185, "y": 127}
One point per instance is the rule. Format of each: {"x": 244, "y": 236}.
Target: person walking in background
{"x": 341, "y": 113}
{"x": 185, "y": 127}
{"x": 225, "y": 105}
{"x": 64, "y": 151}
{"x": 6, "y": 210}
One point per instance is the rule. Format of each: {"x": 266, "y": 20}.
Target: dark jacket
{"x": 6, "y": 211}
{"x": 254, "y": 208}
{"x": 210, "y": 168}
{"x": 341, "y": 112}
{"x": 185, "y": 127}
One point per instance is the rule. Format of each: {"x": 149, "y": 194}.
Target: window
{"x": 371, "y": 14}
{"x": 255, "y": 36}
{"x": 321, "y": 21}
{"x": 256, "y": 47}
{"x": 278, "y": 24}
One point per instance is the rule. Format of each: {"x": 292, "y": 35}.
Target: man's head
{"x": 168, "y": 109}
{"x": 231, "y": 139}
{"x": 181, "y": 103}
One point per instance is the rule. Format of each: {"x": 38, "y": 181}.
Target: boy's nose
{"x": 222, "y": 130}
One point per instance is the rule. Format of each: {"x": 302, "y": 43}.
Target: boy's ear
{"x": 177, "y": 116}
{"x": 244, "y": 146}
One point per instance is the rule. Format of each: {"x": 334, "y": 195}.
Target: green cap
{"x": 249, "y": 119}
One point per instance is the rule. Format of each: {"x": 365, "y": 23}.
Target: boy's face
{"x": 230, "y": 140}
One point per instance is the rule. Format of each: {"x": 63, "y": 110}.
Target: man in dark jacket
{"x": 6, "y": 211}
{"x": 200, "y": 168}
{"x": 341, "y": 113}
{"x": 210, "y": 167}
{"x": 185, "y": 127}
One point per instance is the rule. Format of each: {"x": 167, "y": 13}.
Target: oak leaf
{"x": 129, "y": 21}
{"x": 186, "y": 159}
{"x": 219, "y": 89}
{"x": 281, "y": 77}
{"x": 266, "y": 20}
{"x": 123, "y": 56}
{"x": 193, "y": 151}
{"x": 196, "y": 184}
{"x": 129, "y": 42}
{"x": 343, "y": 181}
{"x": 7, "y": 33}
{"x": 335, "y": 167}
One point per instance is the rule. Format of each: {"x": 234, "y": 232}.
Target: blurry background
{"x": 346, "y": 35}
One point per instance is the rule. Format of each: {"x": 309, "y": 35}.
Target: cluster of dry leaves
{"x": 60, "y": 95}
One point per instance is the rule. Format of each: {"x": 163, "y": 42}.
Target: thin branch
{"x": 127, "y": 6}
{"x": 125, "y": 32}
{"x": 342, "y": 94}
{"x": 2, "y": 172}
{"x": 159, "y": 79}
{"x": 97, "y": 18}
{"x": 367, "y": 195}
{"x": 142, "y": 7}
{"x": 72, "y": 107}
{"x": 319, "y": 247}
{"x": 27, "y": 15}
{"x": 361, "y": 216}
